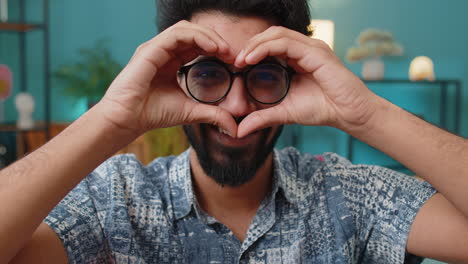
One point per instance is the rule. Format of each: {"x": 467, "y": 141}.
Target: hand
{"x": 323, "y": 92}
{"x": 146, "y": 94}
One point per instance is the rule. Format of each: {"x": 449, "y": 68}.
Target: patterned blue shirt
{"x": 322, "y": 209}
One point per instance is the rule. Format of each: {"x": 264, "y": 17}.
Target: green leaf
{"x": 91, "y": 75}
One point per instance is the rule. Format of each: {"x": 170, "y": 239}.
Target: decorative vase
{"x": 6, "y": 78}
{"x": 25, "y": 105}
{"x": 373, "y": 69}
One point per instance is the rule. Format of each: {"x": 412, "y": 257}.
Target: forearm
{"x": 31, "y": 187}
{"x": 439, "y": 157}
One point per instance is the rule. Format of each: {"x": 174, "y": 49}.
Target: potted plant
{"x": 372, "y": 45}
{"x": 91, "y": 76}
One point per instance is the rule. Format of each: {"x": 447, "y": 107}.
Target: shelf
{"x": 439, "y": 81}
{"x": 14, "y": 128}
{"x": 19, "y": 27}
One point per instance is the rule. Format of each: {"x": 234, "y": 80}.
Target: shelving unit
{"x": 444, "y": 86}
{"x": 21, "y": 28}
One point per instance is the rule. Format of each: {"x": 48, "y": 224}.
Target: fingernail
{"x": 240, "y": 56}
{"x": 249, "y": 58}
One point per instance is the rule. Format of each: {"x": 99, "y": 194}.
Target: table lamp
{"x": 324, "y": 30}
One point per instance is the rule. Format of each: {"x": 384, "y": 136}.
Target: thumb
{"x": 214, "y": 115}
{"x": 261, "y": 119}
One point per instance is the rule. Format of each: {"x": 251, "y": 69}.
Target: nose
{"x": 237, "y": 102}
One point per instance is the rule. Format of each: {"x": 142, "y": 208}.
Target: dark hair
{"x": 292, "y": 14}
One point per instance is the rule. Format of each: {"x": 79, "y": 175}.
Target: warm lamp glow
{"x": 324, "y": 30}
{"x": 422, "y": 68}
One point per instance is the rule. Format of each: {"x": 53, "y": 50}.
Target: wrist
{"x": 371, "y": 122}
{"x": 110, "y": 125}
{"x": 92, "y": 137}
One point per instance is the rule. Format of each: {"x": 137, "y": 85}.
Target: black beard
{"x": 234, "y": 169}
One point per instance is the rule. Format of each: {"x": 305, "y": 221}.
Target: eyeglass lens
{"x": 209, "y": 81}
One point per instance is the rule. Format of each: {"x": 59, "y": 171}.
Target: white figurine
{"x": 422, "y": 68}
{"x": 25, "y": 105}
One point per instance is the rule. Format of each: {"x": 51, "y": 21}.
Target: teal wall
{"x": 435, "y": 28}
{"x": 425, "y": 27}
{"x": 75, "y": 24}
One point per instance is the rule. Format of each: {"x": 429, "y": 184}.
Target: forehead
{"x": 235, "y": 30}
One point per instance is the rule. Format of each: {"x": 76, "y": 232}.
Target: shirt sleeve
{"x": 75, "y": 221}
{"x": 383, "y": 205}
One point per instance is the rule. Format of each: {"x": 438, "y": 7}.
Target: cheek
{"x": 197, "y": 130}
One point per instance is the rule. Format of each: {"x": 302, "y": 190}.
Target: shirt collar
{"x": 180, "y": 183}
{"x": 285, "y": 176}
{"x": 181, "y": 188}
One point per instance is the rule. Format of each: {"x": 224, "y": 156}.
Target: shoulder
{"x": 315, "y": 173}
{"x": 307, "y": 167}
{"x": 290, "y": 160}
{"x": 300, "y": 175}
{"x": 330, "y": 173}
{"x": 127, "y": 168}
{"x": 123, "y": 177}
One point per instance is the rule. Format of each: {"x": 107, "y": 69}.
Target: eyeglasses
{"x": 210, "y": 81}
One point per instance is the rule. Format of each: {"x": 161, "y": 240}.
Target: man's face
{"x": 232, "y": 161}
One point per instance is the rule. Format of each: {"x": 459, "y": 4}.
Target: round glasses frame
{"x": 232, "y": 75}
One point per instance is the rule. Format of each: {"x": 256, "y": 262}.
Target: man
{"x": 233, "y": 73}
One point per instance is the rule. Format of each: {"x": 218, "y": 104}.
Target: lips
{"x": 220, "y": 136}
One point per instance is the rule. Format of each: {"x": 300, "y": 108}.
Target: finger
{"x": 224, "y": 48}
{"x": 174, "y": 65}
{"x": 181, "y": 58}
{"x": 181, "y": 39}
{"x": 156, "y": 53}
{"x": 262, "y": 119}
{"x": 210, "y": 114}
{"x": 308, "y": 58}
{"x": 272, "y": 33}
